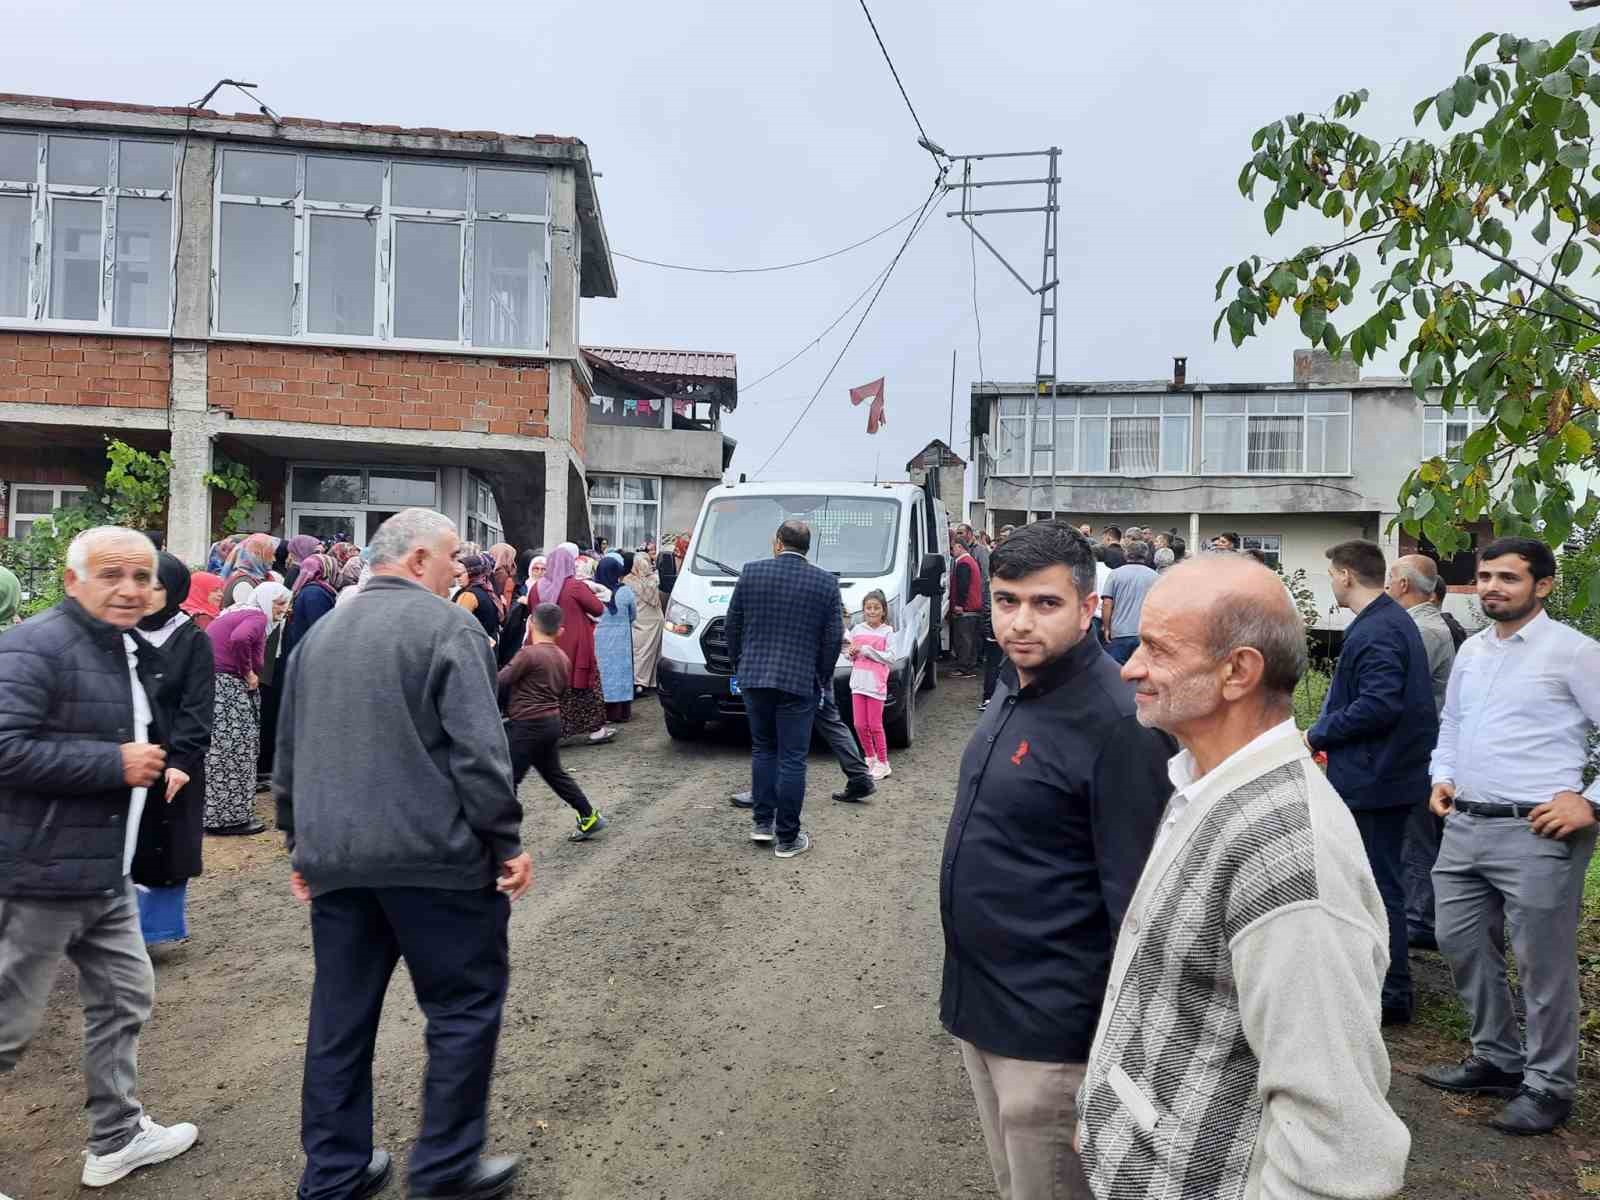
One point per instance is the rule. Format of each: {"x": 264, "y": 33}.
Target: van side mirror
{"x": 930, "y": 577}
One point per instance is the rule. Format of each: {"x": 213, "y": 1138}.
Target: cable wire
{"x": 745, "y": 389}
{"x": 804, "y": 262}
{"x": 916, "y": 227}
{"x": 928, "y": 142}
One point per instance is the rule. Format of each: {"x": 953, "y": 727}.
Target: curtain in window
{"x": 1135, "y": 445}
{"x": 1275, "y": 444}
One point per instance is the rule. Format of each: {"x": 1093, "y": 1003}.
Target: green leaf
{"x": 1557, "y": 84}
{"x": 1570, "y": 258}
{"x": 1445, "y": 105}
{"x": 1245, "y": 275}
{"x": 1423, "y": 505}
{"x": 1313, "y": 319}
{"x": 1283, "y": 281}
{"x": 1420, "y": 109}
{"x": 1216, "y": 326}
{"x": 1419, "y": 301}
{"x": 1422, "y": 375}
{"x": 1274, "y": 215}
{"x": 1589, "y": 597}
{"x": 1574, "y": 155}
{"x": 1561, "y": 53}
{"x": 1523, "y": 497}
{"x": 1541, "y": 231}
{"x": 1330, "y": 338}
{"x": 1479, "y": 445}
{"x": 1513, "y": 410}
{"x": 1577, "y": 441}
{"x": 1478, "y": 44}
{"x": 1466, "y": 95}
{"x": 1222, "y": 280}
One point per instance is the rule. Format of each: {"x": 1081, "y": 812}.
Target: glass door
{"x": 329, "y": 525}
{"x": 374, "y": 519}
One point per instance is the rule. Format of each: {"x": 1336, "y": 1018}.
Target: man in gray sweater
{"x": 394, "y": 791}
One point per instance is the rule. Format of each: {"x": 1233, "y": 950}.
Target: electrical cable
{"x": 977, "y": 317}
{"x": 745, "y": 389}
{"x": 805, "y": 262}
{"x": 926, "y": 141}
{"x": 916, "y": 227}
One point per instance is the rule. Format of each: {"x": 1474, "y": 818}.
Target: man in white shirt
{"x": 1524, "y": 696}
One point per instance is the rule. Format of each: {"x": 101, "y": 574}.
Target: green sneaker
{"x": 588, "y": 826}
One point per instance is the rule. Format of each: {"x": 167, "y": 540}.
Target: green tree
{"x": 1487, "y": 319}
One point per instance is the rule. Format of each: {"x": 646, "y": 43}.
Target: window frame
{"x": 41, "y": 195}
{"x": 1253, "y": 541}
{"x": 385, "y": 215}
{"x": 1065, "y": 417}
{"x": 485, "y": 521}
{"x": 619, "y": 500}
{"x": 1434, "y": 415}
{"x": 1315, "y": 405}
{"x": 59, "y": 492}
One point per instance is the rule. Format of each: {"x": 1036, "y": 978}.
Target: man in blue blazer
{"x": 1378, "y": 727}
{"x": 785, "y": 623}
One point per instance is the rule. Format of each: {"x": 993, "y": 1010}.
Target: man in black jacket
{"x": 79, "y": 755}
{"x": 1061, "y": 793}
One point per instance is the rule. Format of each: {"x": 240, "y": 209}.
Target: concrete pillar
{"x": 555, "y": 497}
{"x": 1194, "y": 533}
{"x": 192, "y": 318}
{"x": 189, "y": 505}
{"x": 563, "y": 265}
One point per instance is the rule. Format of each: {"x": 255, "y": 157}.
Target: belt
{"x": 1494, "y": 810}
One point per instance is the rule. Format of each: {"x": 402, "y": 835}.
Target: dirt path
{"x": 689, "y": 1018}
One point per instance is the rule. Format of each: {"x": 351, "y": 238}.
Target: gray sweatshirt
{"x": 392, "y": 768}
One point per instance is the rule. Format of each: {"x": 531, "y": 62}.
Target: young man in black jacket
{"x": 1060, "y": 797}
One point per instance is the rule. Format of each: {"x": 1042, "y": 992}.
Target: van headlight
{"x": 681, "y": 619}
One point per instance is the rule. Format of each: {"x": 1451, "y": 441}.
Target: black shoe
{"x": 1474, "y": 1076}
{"x": 376, "y": 1177}
{"x": 248, "y": 829}
{"x": 492, "y": 1177}
{"x": 855, "y": 793}
{"x": 743, "y": 799}
{"x": 1399, "y": 1014}
{"x": 1532, "y": 1112}
{"x": 1422, "y": 939}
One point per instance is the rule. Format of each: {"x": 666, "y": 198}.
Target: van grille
{"x": 714, "y": 645}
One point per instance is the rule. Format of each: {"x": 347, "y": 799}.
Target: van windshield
{"x": 850, "y": 535}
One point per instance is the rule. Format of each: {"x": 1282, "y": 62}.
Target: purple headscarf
{"x": 557, "y": 570}
{"x": 303, "y": 544}
{"x": 314, "y": 568}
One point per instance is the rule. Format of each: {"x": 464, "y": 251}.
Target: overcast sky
{"x": 737, "y": 134}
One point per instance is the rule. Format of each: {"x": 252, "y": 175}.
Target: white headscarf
{"x": 265, "y": 596}
{"x": 239, "y": 595}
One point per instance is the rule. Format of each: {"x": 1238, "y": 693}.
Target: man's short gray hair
{"x": 1276, "y": 631}
{"x": 89, "y": 540}
{"x": 404, "y": 531}
{"x": 1419, "y": 583}
{"x": 1137, "y": 550}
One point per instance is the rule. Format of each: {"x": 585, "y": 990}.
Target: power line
{"x": 927, "y": 143}
{"x": 804, "y": 262}
{"x": 744, "y": 389}
{"x": 972, "y": 241}
{"x": 916, "y": 227}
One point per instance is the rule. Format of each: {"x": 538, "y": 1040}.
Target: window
{"x": 851, "y": 536}
{"x": 1299, "y": 433}
{"x": 1443, "y": 433}
{"x": 340, "y": 248}
{"x": 32, "y": 503}
{"x": 626, "y": 509}
{"x": 1270, "y": 545}
{"x": 483, "y": 515}
{"x": 1095, "y": 435}
{"x": 86, "y": 231}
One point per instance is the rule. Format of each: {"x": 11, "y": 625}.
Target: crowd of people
{"x": 1175, "y": 925}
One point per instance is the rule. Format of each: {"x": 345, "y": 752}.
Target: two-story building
{"x": 367, "y": 317}
{"x": 1291, "y": 468}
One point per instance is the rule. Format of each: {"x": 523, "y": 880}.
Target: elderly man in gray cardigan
{"x": 1239, "y": 1051}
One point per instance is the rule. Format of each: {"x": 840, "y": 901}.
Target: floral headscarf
{"x": 251, "y": 561}
{"x": 218, "y": 557}
{"x": 350, "y": 573}
{"x": 559, "y": 568}
{"x": 479, "y": 568}
{"x": 342, "y": 552}
{"x": 318, "y": 569}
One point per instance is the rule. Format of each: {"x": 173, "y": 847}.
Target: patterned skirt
{"x": 582, "y": 711}
{"x": 231, "y": 761}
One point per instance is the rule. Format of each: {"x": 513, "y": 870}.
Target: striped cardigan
{"x": 1239, "y": 1053}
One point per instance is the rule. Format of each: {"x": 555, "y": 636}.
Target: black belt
{"x": 1494, "y": 810}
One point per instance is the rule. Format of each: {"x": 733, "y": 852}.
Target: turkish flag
{"x": 876, "y": 417}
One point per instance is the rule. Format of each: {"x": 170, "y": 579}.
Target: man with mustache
{"x": 1239, "y": 1051}
{"x": 1519, "y": 830}
{"x": 1060, "y": 794}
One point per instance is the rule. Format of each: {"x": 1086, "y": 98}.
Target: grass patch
{"x": 1443, "y": 1013}
{"x": 1308, "y": 694}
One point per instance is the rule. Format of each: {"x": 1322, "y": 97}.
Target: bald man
{"x": 1239, "y": 1050}
{"x": 1413, "y": 583}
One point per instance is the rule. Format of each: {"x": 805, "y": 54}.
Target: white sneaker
{"x": 152, "y": 1144}
{"x": 885, "y": 770}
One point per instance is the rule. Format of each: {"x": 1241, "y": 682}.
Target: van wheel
{"x": 902, "y": 730}
{"x": 680, "y": 730}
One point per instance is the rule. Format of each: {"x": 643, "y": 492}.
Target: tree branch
{"x": 1588, "y": 311}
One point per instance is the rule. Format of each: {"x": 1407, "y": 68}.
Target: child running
{"x": 868, "y": 649}
{"x": 536, "y": 677}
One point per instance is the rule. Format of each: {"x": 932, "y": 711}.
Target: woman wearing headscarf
{"x": 313, "y": 598}
{"x": 670, "y": 563}
{"x": 238, "y": 649}
{"x": 647, "y": 626}
{"x": 514, "y": 629}
{"x": 477, "y": 595}
{"x": 298, "y": 548}
{"x": 205, "y": 598}
{"x": 167, "y": 854}
{"x": 613, "y": 641}
{"x": 10, "y": 598}
{"x": 218, "y": 557}
{"x": 342, "y": 552}
{"x": 250, "y": 563}
{"x": 583, "y": 708}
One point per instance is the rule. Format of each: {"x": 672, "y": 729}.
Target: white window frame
{"x": 386, "y": 215}
{"x": 1316, "y": 405}
{"x": 41, "y": 194}
{"x": 60, "y": 495}
{"x": 486, "y": 520}
{"x": 619, "y": 500}
{"x": 1172, "y": 414}
{"x": 1270, "y": 544}
{"x": 1436, "y": 427}
{"x": 293, "y": 508}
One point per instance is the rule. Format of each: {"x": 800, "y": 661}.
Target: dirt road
{"x": 689, "y": 1018}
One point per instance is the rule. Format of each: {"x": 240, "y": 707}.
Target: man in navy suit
{"x": 1378, "y": 727}
{"x": 784, "y": 628}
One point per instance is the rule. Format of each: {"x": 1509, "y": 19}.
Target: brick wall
{"x": 380, "y": 389}
{"x": 580, "y": 414}
{"x": 78, "y": 368}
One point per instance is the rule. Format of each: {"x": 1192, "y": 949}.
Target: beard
{"x": 1184, "y": 700}
{"x": 1509, "y": 610}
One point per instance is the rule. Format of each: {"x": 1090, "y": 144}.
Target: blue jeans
{"x": 1122, "y": 648}
{"x": 780, "y": 736}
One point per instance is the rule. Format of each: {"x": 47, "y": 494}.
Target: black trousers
{"x": 993, "y": 659}
{"x": 1383, "y": 833}
{"x": 454, "y": 944}
{"x": 537, "y": 744}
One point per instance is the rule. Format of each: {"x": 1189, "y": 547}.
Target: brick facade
{"x": 88, "y": 369}
{"x": 379, "y": 389}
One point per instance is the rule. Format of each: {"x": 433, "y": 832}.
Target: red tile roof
{"x": 703, "y": 364}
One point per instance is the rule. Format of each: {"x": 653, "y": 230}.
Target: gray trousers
{"x": 1423, "y": 831}
{"x": 100, "y": 934}
{"x": 1495, "y": 872}
{"x": 1029, "y": 1114}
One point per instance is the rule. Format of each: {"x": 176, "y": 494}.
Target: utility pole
{"x": 1041, "y": 404}
{"x": 952, "y": 441}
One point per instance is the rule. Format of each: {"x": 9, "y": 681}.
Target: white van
{"x": 890, "y": 537}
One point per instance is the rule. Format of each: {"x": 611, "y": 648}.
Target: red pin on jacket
{"x": 876, "y": 418}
